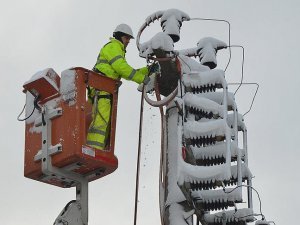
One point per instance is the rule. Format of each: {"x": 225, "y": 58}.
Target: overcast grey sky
{"x": 37, "y": 34}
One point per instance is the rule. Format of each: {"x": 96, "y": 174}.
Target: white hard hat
{"x": 124, "y": 28}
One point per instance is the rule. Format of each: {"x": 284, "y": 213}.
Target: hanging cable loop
{"x": 242, "y": 67}
{"x": 254, "y": 96}
{"x": 229, "y": 34}
{"x": 35, "y": 106}
{"x": 163, "y": 102}
{"x": 248, "y": 186}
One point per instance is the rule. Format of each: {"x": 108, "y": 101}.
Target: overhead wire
{"x": 254, "y": 96}
{"x": 230, "y": 53}
{"x": 242, "y": 78}
{"x": 242, "y": 67}
{"x": 229, "y": 34}
{"x": 248, "y": 186}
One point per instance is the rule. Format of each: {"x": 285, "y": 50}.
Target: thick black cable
{"x": 35, "y": 106}
{"x": 18, "y": 118}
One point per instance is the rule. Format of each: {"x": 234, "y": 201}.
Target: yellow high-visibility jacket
{"x": 111, "y": 62}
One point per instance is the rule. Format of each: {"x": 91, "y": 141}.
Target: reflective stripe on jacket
{"x": 111, "y": 61}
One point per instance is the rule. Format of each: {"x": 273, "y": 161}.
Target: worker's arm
{"x": 120, "y": 65}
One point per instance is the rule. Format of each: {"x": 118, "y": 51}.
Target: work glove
{"x": 149, "y": 83}
{"x": 154, "y": 68}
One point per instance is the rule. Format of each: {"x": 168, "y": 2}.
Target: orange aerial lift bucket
{"x": 69, "y": 116}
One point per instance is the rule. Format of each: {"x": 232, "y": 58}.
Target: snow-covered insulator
{"x": 205, "y": 133}
{"x": 210, "y": 161}
{"x": 204, "y": 81}
{"x": 189, "y": 65}
{"x": 210, "y": 177}
{"x": 203, "y": 185}
{"x": 215, "y": 154}
{"x": 207, "y": 49}
{"x": 217, "y": 205}
{"x": 171, "y": 22}
{"x": 263, "y": 222}
{"x": 204, "y": 88}
{"x": 218, "y": 97}
{"x": 246, "y": 175}
{"x": 199, "y": 113}
{"x": 153, "y": 17}
{"x": 203, "y": 140}
{"x": 160, "y": 41}
{"x": 203, "y": 177}
{"x": 217, "y": 199}
{"x": 232, "y": 217}
{"x": 202, "y": 107}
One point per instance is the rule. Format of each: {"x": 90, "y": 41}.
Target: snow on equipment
{"x": 204, "y": 160}
{"x": 55, "y": 134}
{"x": 204, "y": 174}
{"x": 59, "y": 128}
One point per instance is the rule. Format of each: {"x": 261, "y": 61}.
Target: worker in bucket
{"x": 112, "y": 63}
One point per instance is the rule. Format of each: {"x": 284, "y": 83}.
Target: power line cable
{"x": 242, "y": 67}
{"x": 254, "y": 96}
{"x": 243, "y": 185}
